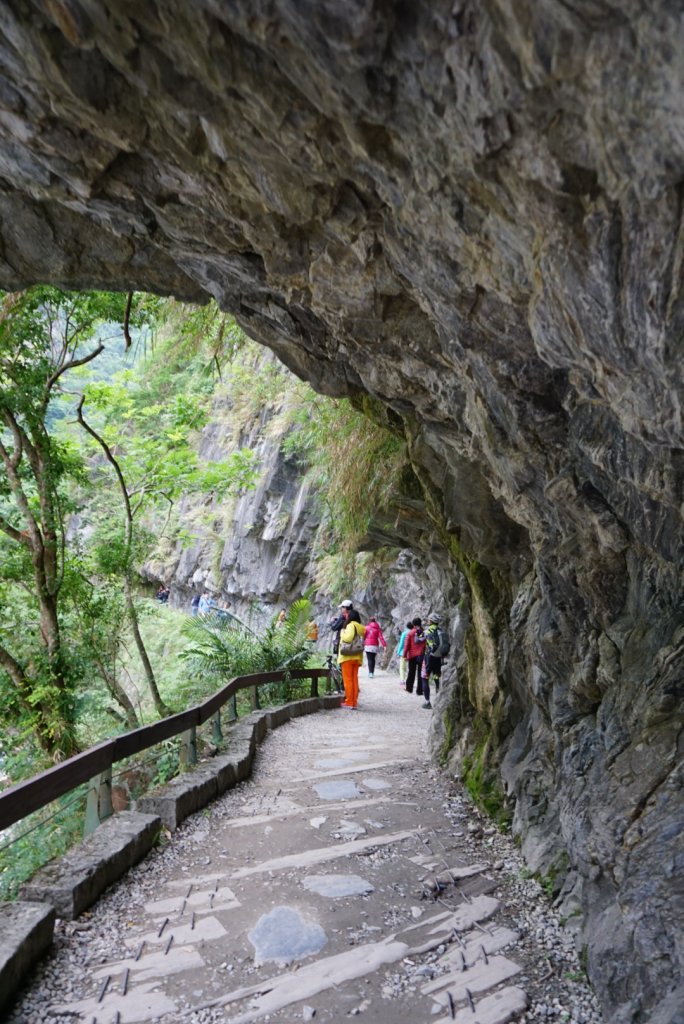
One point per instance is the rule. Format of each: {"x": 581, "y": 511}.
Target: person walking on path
{"x": 339, "y": 622}
{"x": 432, "y": 658}
{"x": 436, "y": 648}
{"x": 403, "y": 662}
{"x": 414, "y": 649}
{"x": 350, "y": 660}
{"x": 373, "y": 640}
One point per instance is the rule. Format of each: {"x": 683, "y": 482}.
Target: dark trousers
{"x": 371, "y": 661}
{"x": 434, "y": 674}
{"x": 414, "y": 668}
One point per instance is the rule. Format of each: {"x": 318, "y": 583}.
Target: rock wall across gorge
{"x": 473, "y": 213}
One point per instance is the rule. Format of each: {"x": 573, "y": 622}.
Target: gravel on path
{"x": 343, "y": 844}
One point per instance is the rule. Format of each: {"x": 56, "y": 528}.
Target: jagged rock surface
{"x": 473, "y": 213}
{"x": 258, "y": 552}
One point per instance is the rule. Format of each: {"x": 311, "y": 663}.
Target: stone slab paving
{"x": 341, "y": 880}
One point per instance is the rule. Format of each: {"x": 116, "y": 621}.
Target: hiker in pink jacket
{"x": 372, "y": 641}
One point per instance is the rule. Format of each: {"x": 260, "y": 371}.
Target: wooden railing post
{"x": 188, "y": 747}
{"x": 232, "y": 713}
{"x": 98, "y": 801}
{"x": 216, "y": 731}
{"x": 255, "y": 698}
{"x": 314, "y": 687}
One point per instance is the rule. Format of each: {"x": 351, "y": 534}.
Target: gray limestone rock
{"x": 284, "y": 935}
{"x": 471, "y": 213}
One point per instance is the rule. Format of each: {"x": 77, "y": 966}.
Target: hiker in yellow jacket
{"x": 350, "y": 657}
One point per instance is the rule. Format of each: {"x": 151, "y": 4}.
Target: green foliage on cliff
{"x": 484, "y": 785}
{"x": 355, "y": 466}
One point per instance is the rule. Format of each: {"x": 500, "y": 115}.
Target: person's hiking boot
{"x": 427, "y": 704}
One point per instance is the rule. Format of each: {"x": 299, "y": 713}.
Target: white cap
{"x": 346, "y": 604}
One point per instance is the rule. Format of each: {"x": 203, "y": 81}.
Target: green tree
{"x": 44, "y": 334}
{"x": 147, "y": 445}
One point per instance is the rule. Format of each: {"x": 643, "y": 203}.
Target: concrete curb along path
{"x": 346, "y": 878}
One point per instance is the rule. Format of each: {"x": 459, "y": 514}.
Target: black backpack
{"x": 440, "y": 644}
{"x": 443, "y": 644}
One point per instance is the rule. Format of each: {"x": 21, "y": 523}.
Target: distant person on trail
{"x": 204, "y": 603}
{"x": 312, "y": 631}
{"x": 281, "y": 617}
{"x": 414, "y": 649}
{"x": 339, "y": 621}
{"x": 372, "y": 641}
{"x": 403, "y": 661}
{"x": 437, "y": 646}
{"x": 194, "y": 604}
{"x": 349, "y": 659}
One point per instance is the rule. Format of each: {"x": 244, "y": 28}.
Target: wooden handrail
{"x": 24, "y": 798}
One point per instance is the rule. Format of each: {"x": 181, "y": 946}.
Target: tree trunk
{"x": 51, "y": 714}
{"x": 120, "y": 696}
{"x": 159, "y": 704}
{"x": 130, "y": 605}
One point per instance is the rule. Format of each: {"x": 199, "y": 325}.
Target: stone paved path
{"x": 339, "y": 881}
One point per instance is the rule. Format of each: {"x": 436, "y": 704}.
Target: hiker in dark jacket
{"x": 435, "y": 644}
{"x": 340, "y": 621}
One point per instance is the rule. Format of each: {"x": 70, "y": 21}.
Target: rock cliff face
{"x": 260, "y": 551}
{"x": 254, "y": 552}
{"x": 471, "y": 212}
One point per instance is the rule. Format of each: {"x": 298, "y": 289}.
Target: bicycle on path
{"x": 335, "y": 674}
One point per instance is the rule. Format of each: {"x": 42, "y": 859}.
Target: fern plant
{"x": 221, "y": 646}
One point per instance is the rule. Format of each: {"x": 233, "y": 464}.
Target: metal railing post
{"x": 216, "y": 731}
{"x": 232, "y": 713}
{"x": 98, "y": 801}
{"x": 188, "y": 748}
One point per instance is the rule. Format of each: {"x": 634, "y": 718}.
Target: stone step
{"x": 499, "y": 1008}
{"x": 479, "y": 909}
{"x": 477, "y": 948}
{"x": 479, "y": 978}
{"x": 26, "y": 931}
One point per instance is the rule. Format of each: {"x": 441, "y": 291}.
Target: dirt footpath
{"x": 346, "y": 878}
